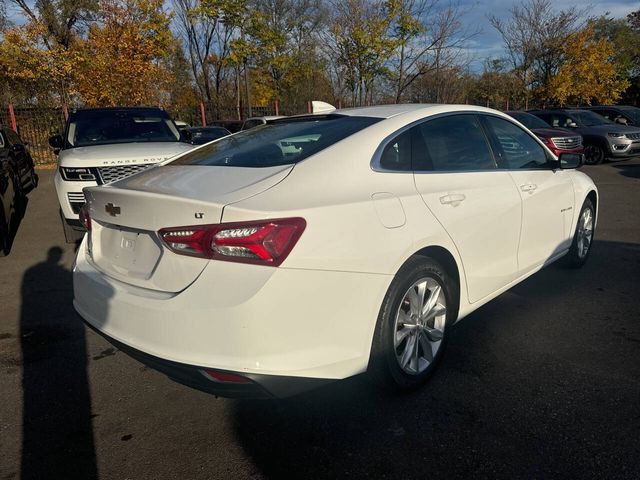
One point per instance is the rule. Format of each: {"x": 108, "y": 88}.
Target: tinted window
{"x": 515, "y": 147}
{"x": 589, "y": 119}
{"x": 282, "y": 142}
{"x": 528, "y": 120}
{"x": 452, "y": 143}
{"x": 397, "y": 154}
{"x": 105, "y": 127}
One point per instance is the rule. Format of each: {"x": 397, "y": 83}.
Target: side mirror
{"x": 56, "y": 141}
{"x": 570, "y": 160}
{"x": 622, "y": 120}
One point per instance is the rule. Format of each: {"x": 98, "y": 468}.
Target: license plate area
{"x": 125, "y": 251}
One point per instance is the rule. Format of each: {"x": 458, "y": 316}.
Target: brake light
{"x": 85, "y": 217}
{"x": 265, "y": 242}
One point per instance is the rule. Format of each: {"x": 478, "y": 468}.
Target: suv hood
{"x": 121, "y": 154}
{"x": 554, "y": 132}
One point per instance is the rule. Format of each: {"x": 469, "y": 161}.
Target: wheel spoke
{"x": 427, "y": 351}
{"x": 434, "y": 334}
{"x": 438, "y": 310}
{"x": 431, "y": 302}
{"x": 408, "y": 350}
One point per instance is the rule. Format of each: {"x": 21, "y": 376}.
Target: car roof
{"x": 390, "y": 111}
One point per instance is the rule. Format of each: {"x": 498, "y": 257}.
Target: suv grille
{"x": 567, "y": 143}
{"x": 633, "y": 136}
{"x": 112, "y": 174}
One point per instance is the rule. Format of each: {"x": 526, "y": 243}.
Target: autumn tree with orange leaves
{"x": 121, "y": 58}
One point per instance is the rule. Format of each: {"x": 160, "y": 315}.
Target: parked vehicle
{"x": 8, "y": 198}
{"x": 257, "y": 121}
{"x": 243, "y": 271}
{"x": 556, "y": 139}
{"x": 202, "y": 135}
{"x": 622, "y": 114}
{"x": 103, "y": 145}
{"x": 601, "y": 137}
{"x": 232, "y": 125}
{"x": 182, "y": 125}
{"x": 14, "y": 151}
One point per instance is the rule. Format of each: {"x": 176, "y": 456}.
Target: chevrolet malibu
{"x": 322, "y": 246}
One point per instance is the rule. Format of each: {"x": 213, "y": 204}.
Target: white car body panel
{"x": 314, "y": 315}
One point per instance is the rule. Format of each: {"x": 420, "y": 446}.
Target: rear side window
{"x": 396, "y": 155}
{"x": 452, "y": 143}
{"x": 516, "y": 148}
{"x": 282, "y": 142}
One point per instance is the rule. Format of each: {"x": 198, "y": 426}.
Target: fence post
{"x": 12, "y": 116}
{"x": 339, "y": 103}
{"x": 308, "y": 106}
{"x": 204, "y": 120}
{"x": 65, "y": 112}
{"x": 275, "y": 103}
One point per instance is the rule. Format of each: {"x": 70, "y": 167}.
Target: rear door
{"x": 546, "y": 192}
{"x": 477, "y": 204}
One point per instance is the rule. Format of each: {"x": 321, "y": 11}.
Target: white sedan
{"x": 244, "y": 268}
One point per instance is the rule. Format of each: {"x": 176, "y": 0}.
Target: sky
{"x": 488, "y": 43}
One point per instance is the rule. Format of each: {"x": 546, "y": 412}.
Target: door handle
{"x": 453, "y": 199}
{"x": 529, "y": 187}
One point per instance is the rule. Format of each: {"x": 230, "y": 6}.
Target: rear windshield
{"x": 109, "y": 127}
{"x": 283, "y": 142}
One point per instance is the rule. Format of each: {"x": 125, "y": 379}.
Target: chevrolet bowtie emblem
{"x": 111, "y": 209}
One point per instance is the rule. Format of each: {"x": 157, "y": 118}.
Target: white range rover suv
{"x": 103, "y": 145}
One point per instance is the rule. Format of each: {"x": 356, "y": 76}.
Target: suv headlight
{"x": 616, "y": 135}
{"x": 78, "y": 174}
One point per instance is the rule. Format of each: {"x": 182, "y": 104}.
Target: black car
{"x": 622, "y": 114}
{"x": 14, "y": 151}
{"x": 202, "y": 135}
{"x": 601, "y": 137}
{"x": 8, "y": 200}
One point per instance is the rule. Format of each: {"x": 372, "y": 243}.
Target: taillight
{"x": 265, "y": 242}
{"x": 85, "y": 217}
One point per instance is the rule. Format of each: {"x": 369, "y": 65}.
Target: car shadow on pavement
{"x": 629, "y": 170}
{"x": 57, "y": 439}
{"x": 524, "y": 381}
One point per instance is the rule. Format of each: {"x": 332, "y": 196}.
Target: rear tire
{"x": 411, "y": 331}
{"x": 583, "y": 236}
{"x": 71, "y": 235}
{"x": 593, "y": 154}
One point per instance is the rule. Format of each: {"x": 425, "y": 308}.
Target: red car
{"x": 557, "y": 139}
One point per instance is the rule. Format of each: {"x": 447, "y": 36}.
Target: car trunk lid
{"x": 127, "y": 215}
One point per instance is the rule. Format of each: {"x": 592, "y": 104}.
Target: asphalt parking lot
{"x": 543, "y": 382}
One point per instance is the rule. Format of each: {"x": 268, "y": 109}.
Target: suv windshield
{"x": 104, "y": 127}
{"x": 631, "y": 112}
{"x": 528, "y": 120}
{"x": 282, "y": 142}
{"x": 586, "y": 118}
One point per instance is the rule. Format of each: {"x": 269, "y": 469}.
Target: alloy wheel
{"x": 419, "y": 325}
{"x": 585, "y": 232}
{"x": 593, "y": 155}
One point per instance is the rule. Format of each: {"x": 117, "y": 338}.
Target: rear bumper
{"x": 251, "y": 320}
{"x": 257, "y": 386}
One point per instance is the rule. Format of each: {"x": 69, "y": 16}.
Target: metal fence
{"x": 35, "y": 125}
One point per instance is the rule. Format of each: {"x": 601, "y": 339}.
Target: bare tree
{"x": 533, "y": 37}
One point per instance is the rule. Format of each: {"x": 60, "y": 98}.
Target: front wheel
{"x": 412, "y": 326}
{"x": 583, "y": 236}
{"x": 593, "y": 154}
